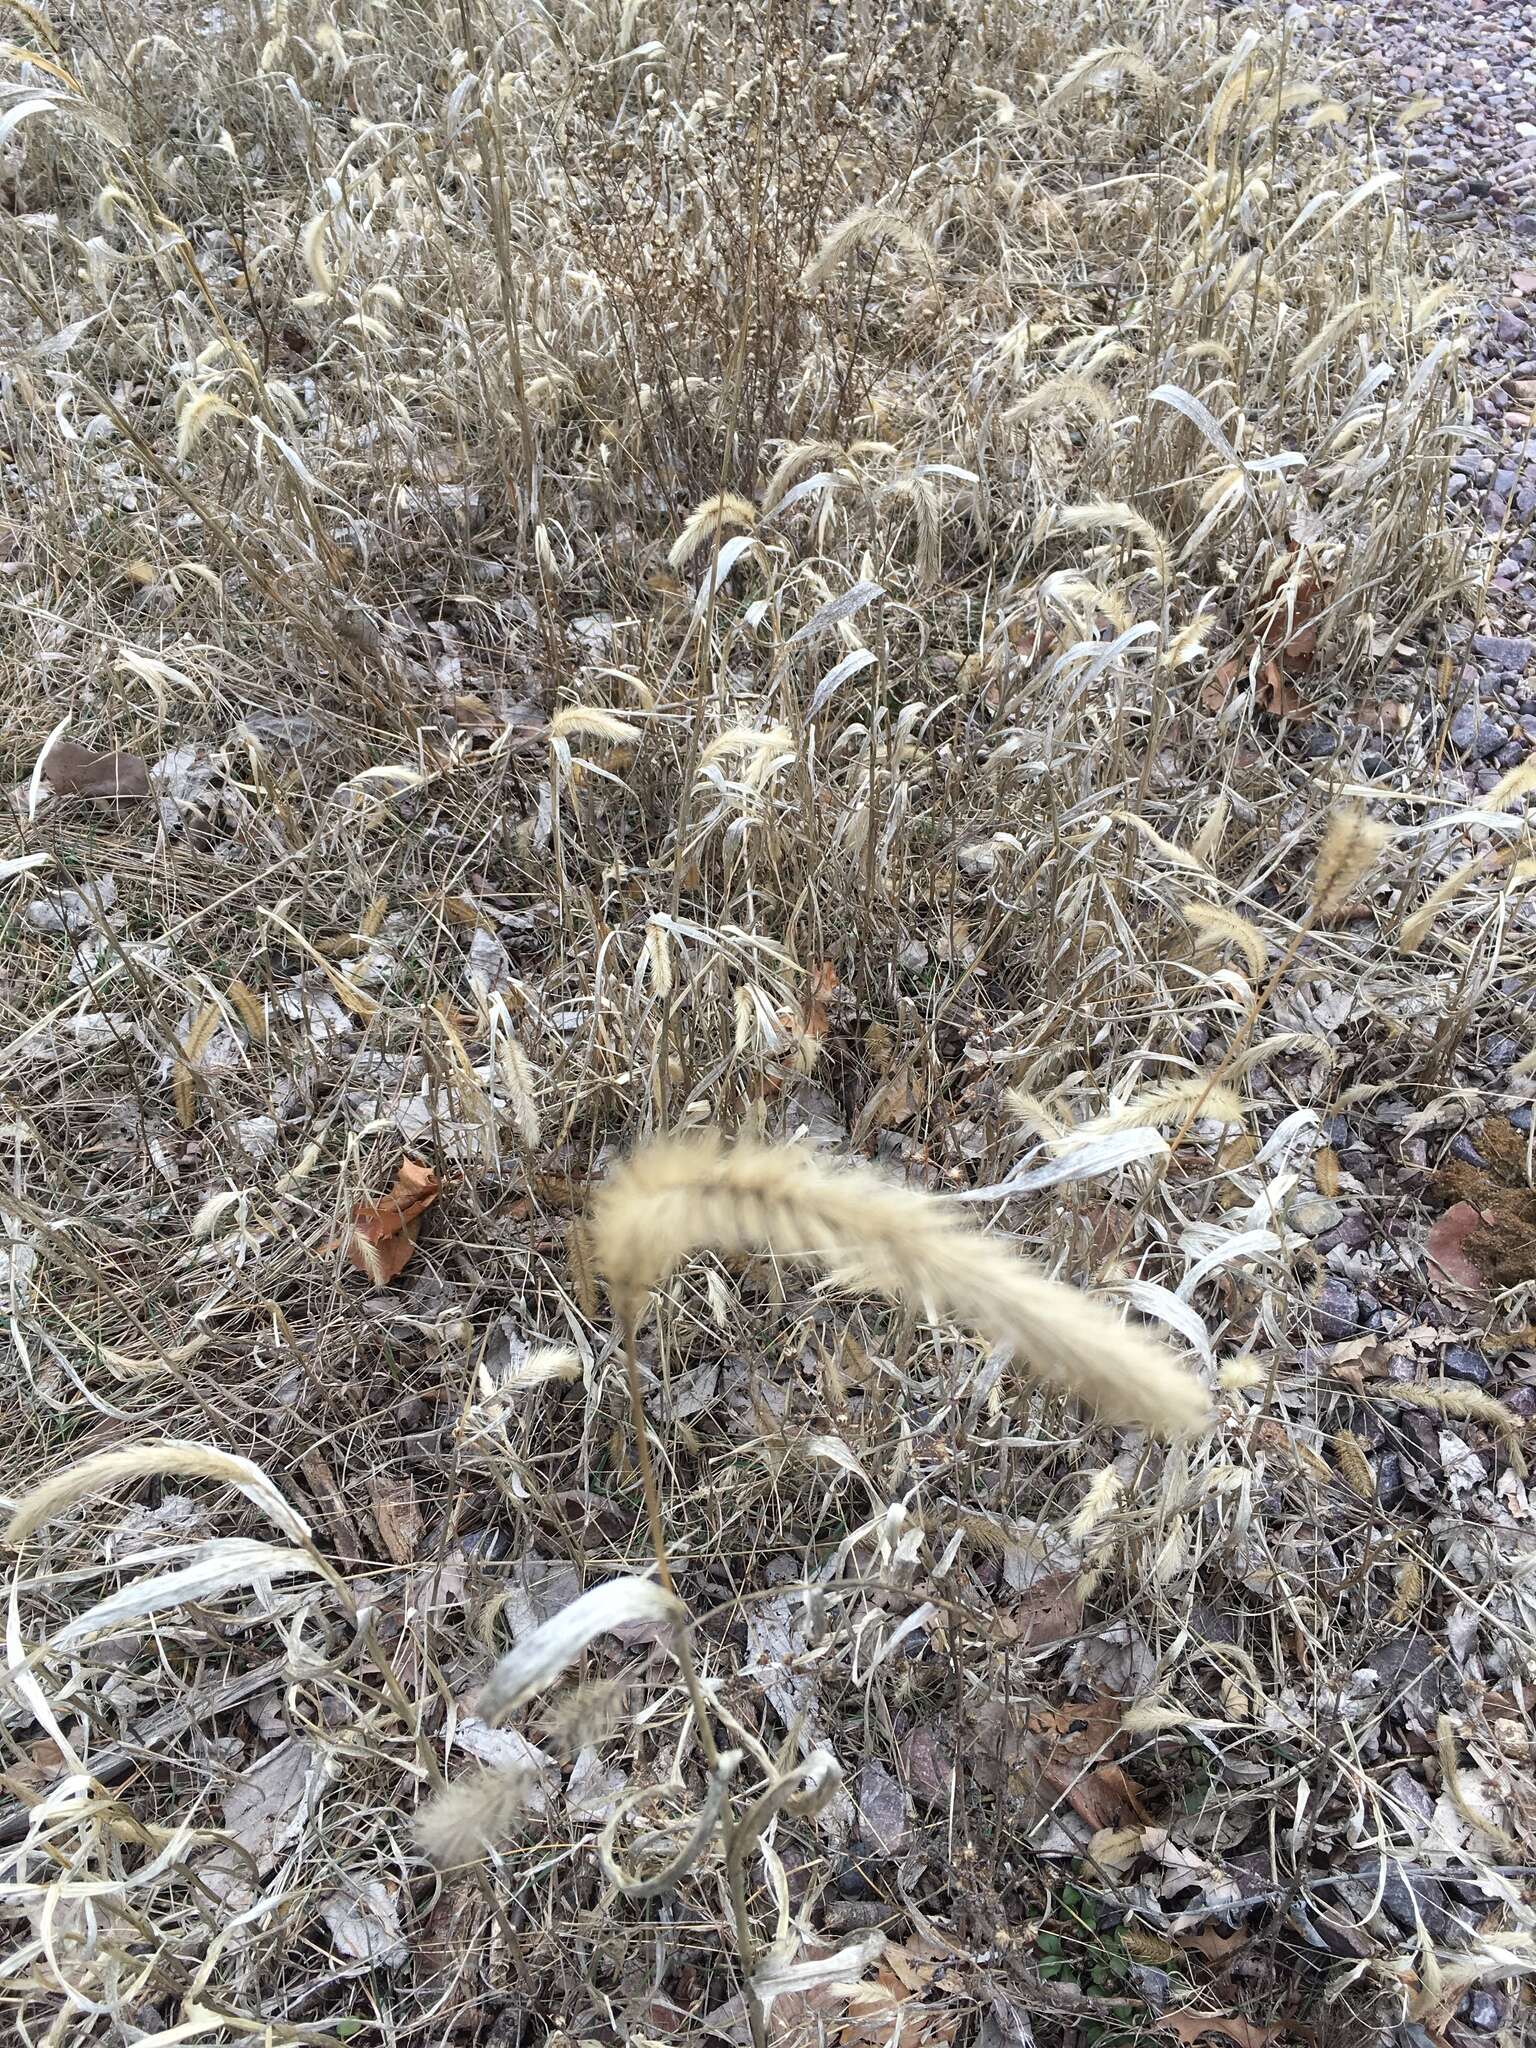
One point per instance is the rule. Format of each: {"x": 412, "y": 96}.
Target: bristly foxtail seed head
{"x": 465, "y": 1820}
{"x": 679, "y": 1196}
{"x": 1350, "y": 847}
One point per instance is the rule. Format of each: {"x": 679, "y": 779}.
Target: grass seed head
{"x": 676, "y": 1197}
{"x": 1351, "y": 845}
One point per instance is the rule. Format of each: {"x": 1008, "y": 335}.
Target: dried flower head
{"x": 468, "y": 1818}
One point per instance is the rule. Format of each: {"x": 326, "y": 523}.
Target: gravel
{"x": 1505, "y": 654}
{"x": 1335, "y": 1311}
{"x": 1469, "y": 174}
{"x": 1462, "y": 1363}
{"x": 1476, "y": 737}
{"x": 1313, "y": 1215}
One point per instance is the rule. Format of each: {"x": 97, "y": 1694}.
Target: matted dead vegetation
{"x": 579, "y": 578}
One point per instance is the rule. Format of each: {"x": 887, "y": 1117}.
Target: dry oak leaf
{"x": 895, "y": 1101}
{"x": 1049, "y": 1611}
{"x": 1276, "y": 695}
{"x": 1105, "y": 1798}
{"x": 1292, "y": 629}
{"x": 384, "y": 1233}
{"x": 1194, "y": 2027}
{"x": 1272, "y": 693}
{"x": 910, "y": 2004}
{"x": 823, "y": 986}
{"x": 1215, "y": 1947}
{"x": 1288, "y": 645}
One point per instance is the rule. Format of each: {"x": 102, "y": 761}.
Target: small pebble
{"x": 1354, "y": 1233}
{"x": 1461, "y": 1363}
{"x": 1312, "y": 1215}
{"x": 1484, "y": 2010}
{"x": 1474, "y": 736}
{"x": 1502, "y": 652}
{"x": 1335, "y": 1310}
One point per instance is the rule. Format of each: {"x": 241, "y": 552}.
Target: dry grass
{"x": 688, "y": 568}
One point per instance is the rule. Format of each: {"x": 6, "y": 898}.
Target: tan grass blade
{"x": 1416, "y": 928}
{"x": 219, "y": 1568}
{"x": 540, "y": 1657}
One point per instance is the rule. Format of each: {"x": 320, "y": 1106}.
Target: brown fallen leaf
{"x": 73, "y": 770}
{"x": 1287, "y": 647}
{"x": 1446, "y": 1247}
{"x": 384, "y": 1233}
{"x": 883, "y": 1808}
{"x": 894, "y": 1102}
{"x": 1218, "y": 688}
{"x": 474, "y": 712}
{"x": 1292, "y": 630}
{"x": 928, "y": 1770}
{"x": 1384, "y": 715}
{"x": 1193, "y": 2027}
{"x": 823, "y": 986}
{"x": 397, "y": 1518}
{"x": 910, "y": 2004}
{"x": 1276, "y": 694}
{"x": 1205, "y": 1941}
{"x": 1105, "y": 1798}
{"x": 1049, "y": 1611}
